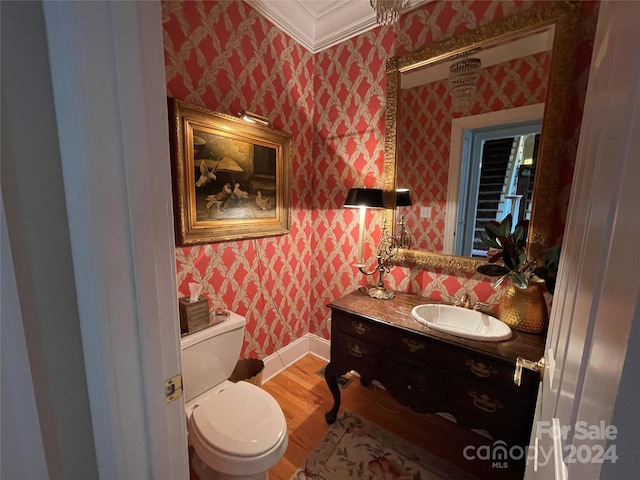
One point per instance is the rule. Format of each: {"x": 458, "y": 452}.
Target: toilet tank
{"x": 210, "y": 355}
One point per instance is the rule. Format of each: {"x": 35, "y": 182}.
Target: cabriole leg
{"x": 332, "y": 382}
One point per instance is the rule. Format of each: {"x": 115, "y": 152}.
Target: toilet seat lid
{"x": 241, "y": 420}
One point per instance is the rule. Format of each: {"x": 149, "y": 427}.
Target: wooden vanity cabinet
{"x": 430, "y": 371}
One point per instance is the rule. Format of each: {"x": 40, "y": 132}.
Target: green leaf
{"x": 511, "y": 257}
{"x": 502, "y": 241}
{"x": 505, "y": 226}
{"x": 492, "y": 270}
{"x": 519, "y": 279}
{"x": 489, "y": 240}
{"x": 492, "y": 229}
{"x": 522, "y": 258}
{"x": 519, "y": 237}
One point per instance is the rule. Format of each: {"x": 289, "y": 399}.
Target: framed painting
{"x": 231, "y": 178}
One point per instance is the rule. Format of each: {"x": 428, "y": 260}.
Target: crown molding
{"x": 320, "y": 24}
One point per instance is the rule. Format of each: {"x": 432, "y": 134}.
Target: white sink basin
{"x": 461, "y": 322}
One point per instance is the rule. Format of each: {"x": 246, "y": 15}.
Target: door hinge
{"x": 173, "y": 388}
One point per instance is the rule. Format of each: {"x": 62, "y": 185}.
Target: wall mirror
{"x": 475, "y": 128}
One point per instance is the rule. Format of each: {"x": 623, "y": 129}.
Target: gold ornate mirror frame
{"x": 564, "y": 16}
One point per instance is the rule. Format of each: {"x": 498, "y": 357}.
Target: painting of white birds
{"x": 206, "y": 175}
{"x": 231, "y": 179}
{"x": 239, "y": 193}
{"x": 219, "y": 198}
{"x": 263, "y": 203}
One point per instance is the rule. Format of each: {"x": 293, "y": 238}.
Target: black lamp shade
{"x": 365, "y": 197}
{"x": 403, "y": 198}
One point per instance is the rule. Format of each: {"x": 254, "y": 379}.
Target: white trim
{"x": 287, "y": 356}
{"x": 458, "y": 126}
{"x": 320, "y": 25}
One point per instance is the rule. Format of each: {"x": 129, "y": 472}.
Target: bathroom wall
{"x": 225, "y": 56}
{"x": 228, "y": 58}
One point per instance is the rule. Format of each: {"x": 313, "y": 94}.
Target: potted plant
{"x": 523, "y": 306}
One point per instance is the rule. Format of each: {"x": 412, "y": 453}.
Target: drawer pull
{"x": 413, "y": 345}
{"x": 356, "y": 350}
{"x": 360, "y": 328}
{"x": 480, "y": 369}
{"x": 484, "y": 402}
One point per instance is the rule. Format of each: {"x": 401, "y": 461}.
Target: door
{"x": 458, "y": 170}
{"x": 107, "y": 67}
{"x": 489, "y": 180}
{"x": 597, "y": 293}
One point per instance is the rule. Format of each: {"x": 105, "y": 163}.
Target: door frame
{"x": 458, "y": 127}
{"x": 471, "y": 174}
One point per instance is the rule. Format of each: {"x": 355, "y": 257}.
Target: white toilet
{"x": 237, "y": 430}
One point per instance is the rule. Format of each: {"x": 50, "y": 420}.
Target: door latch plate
{"x": 173, "y": 388}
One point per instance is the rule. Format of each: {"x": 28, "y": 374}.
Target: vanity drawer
{"x": 476, "y": 405}
{"x": 355, "y": 354}
{"x": 418, "y": 385}
{"x": 491, "y": 371}
{"x": 411, "y": 344}
{"x": 358, "y": 327}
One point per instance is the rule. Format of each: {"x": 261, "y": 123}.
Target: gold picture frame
{"x": 231, "y": 178}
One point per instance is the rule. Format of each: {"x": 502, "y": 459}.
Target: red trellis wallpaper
{"x": 227, "y": 57}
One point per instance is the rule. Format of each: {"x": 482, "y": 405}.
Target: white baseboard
{"x": 287, "y": 356}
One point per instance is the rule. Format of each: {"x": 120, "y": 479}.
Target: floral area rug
{"x": 355, "y": 448}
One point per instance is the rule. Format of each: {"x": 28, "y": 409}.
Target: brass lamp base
{"x": 380, "y": 293}
{"x": 386, "y": 249}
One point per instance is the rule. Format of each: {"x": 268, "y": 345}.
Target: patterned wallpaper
{"x": 225, "y": 56}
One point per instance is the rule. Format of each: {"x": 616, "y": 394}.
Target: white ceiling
{"x": 319, "y": 24}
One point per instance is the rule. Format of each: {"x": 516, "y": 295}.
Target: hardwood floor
{"x": 304, "y": 398}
